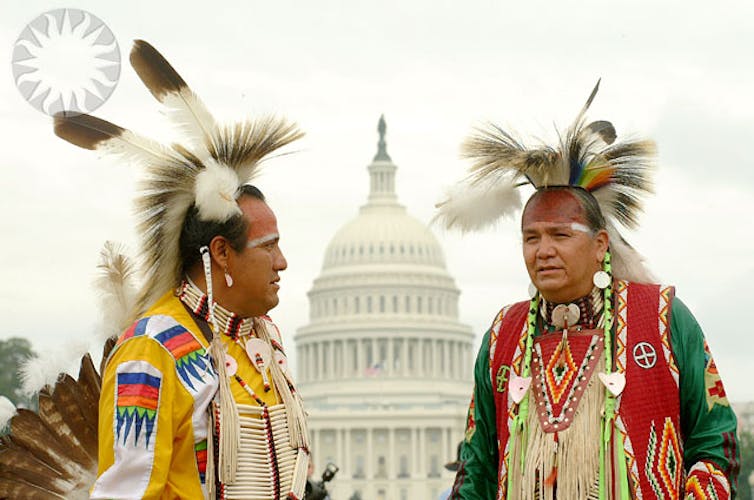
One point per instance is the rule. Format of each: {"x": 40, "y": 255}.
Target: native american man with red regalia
{"x": 602, "y": 385}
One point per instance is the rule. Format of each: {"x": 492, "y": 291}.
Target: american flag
{"x": 374, "y": 370}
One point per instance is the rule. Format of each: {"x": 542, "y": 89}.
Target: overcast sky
{"x": 678, "y": 72}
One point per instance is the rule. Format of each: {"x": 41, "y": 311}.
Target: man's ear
{"x": 219, "y": 249}
{"x": 603, "y": 242}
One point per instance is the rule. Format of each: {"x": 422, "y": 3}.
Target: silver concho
{"x": 562, "y": 313}
{"x": 645, "y": 355}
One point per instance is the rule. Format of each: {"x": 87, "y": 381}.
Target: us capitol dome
{"x": 384, "y": 365}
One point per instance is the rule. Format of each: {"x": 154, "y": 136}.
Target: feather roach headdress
{"x": 616, "y": 173}
{"x": 205, "y": 170}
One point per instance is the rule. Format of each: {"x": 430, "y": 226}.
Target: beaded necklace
{"x": 520, "y": 420}
{"x": 238, "y": 329}
{"x": 228, "y": 323}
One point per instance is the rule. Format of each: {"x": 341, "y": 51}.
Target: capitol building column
{"x": 369, "y": 459}
{"x": 345, "y": 465}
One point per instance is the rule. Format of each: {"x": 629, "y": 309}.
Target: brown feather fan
{"x": 52, "y": 453}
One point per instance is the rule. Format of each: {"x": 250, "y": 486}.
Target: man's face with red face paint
{"x": 561, "y": 256}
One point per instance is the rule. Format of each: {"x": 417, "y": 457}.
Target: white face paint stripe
{"x": 576, "y": 226}
{"x": 262, "y": 240}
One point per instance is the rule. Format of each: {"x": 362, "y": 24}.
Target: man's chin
{"x": 273, "y": 302}
{"x": 549, "y": 285}
{"x": 551, "y": 290}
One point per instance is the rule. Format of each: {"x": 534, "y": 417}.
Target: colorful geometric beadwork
{"x": 562, "y": 372}
{"x": 664, "y": 465}
{"x": 191, "y": 359}
{"x": 470, "y": 421}
{"x": 621, "y": 299}
{"x": 138, "y": 396}
{"x": 666, "y": 296}
{"x": 507, "y": 354}
{"x": 621, "y": 338}
{"x": 649, "y": 466}
{"x": 200, "y": 449}
{"x": 713, "y": 385}
{"x": 494, "y": 331}
{"x": 189, "y": 355}
{"x": 705, "y": 482}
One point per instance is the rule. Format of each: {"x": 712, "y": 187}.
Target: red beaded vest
{"x": 648, "y": 409}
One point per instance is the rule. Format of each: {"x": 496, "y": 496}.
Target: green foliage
{"x": 746, "y": 443}
{"x": 13, "y": 352}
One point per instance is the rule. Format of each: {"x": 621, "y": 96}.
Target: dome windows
{"x": 408, "y": 249}
{"x": 355, "y": 302}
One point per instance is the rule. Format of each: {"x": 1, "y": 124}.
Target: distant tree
{"x": 13, "y": 352}
{"x": 746, "y": 442}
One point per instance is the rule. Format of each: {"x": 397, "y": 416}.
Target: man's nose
{"x": 546, "y": 248}
{"x": 280, "y": 262}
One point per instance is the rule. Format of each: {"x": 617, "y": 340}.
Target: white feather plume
{"x": 45, "y": 368}
{"x": 115, "y": 290}
{"x": 627, "y": 263}
{"x": 192, "y": 117}
{"x": 7, "y": 410}
{"x": 215, "y": 190}
{"x": 475, "y": 205}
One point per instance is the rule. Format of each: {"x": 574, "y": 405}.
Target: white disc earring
{"x": 601, "y": 279}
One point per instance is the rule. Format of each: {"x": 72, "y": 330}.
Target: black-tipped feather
{"x": 155, "y": 71}
{"x": 85, "y": 131}
{"x": 183, "y": 105}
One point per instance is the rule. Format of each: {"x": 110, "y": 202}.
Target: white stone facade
{"x": 384, "y": 365}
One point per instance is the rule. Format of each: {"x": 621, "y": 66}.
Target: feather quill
{"x": 184, "y": 108}
{"x": 89, "y": 132}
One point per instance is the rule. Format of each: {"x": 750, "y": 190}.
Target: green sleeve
{"x": 708, "y": 423}
{"x": 477, "y": 476}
